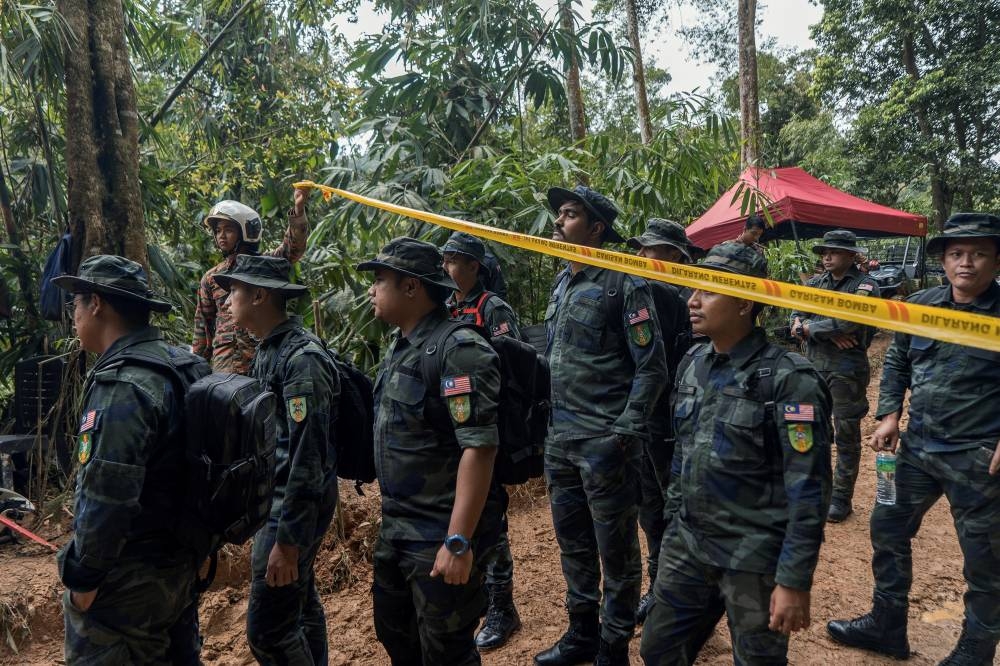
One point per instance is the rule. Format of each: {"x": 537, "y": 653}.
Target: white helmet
{"x": 243, "y": 216}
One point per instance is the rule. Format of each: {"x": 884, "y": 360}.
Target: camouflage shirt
{"x": 418, "y": 447}
{"x": 820, "y": 349}
{"x": 307, "y": 387}
{"x": 129, "y": 485}
{"x": 217, "y": 338}
{"x": 743, "y": 501}
{"x": 606, "y": 375}
{"x": 493, "y": 314}
{"x": 954, "y": 390}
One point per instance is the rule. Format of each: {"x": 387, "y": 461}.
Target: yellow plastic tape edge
{"x": 954, "y": 326}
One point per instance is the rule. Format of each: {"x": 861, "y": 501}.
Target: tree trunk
{"x": 749, "y": 108}
{"x": 102, "y": 131}
{"x": 574, "y": 93}
{"x": 639, "y": 74}
{"x": 940, "y": 194}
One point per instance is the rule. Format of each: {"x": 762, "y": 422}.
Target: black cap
{"x": 412, "y": 257}
{"x": 965, "y": 225}
{"x": 114, "y": 276}
{"x": 736, "y": 257}
{"x": 597, "y": 205}
{"x": 465, "y": 244}
{"x": 839, "y": 239}
{"x": 261, "y": 271}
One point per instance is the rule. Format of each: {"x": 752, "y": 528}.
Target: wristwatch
{"x": 456, "y": 544}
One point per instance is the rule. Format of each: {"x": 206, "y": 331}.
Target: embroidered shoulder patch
{"x": 503, "y": 328}
{"x": 802, "y": 411}
{"x": 456, "y": 385}
{"x": 89, "y": 420}
{"x": 460, "y": 407}
{"x": 638, "y": 316}
{"x": 800, "y": 436}
{"x": 640, "y": 328}
{"x": 84, "y": 447}
{"x": 864, "y": 286}
{"x": 298, "y": 408}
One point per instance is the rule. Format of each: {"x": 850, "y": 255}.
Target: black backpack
{"x": 229, "y": 450}
{"x": 354, "y": 429}
{"x": 524, "y": 404}
{"x": 675, "y": 344}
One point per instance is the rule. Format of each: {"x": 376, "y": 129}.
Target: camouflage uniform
{"x": 128, "y": 497}
{"x": 217, "y": 338}
{"x": 606, "y": 378}
{"x": 845, "y": 371}
{"x": 286, "y": 624}
{"x": 750, "y": 494}
{"x": 946, "y": 450}
{"x": 418, "y": 445}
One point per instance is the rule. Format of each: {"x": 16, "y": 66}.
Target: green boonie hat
{"x": 736, "y": 257}
{"x": 465, "y": 244}
{"x": 114, "y": 276}
{"x": 259, "y": 271}
{"x": 412, "y": 257}
{"x": 665, "y": 232}
{"x": 839, "y": 239}
{"x": 965, "y": 225}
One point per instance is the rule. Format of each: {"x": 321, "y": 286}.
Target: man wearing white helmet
{"x": 237, "y": 230}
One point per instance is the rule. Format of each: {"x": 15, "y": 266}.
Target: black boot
{"x": 882, "y": 630}
{"x": 578, "y": 645}
{"x": 502, "y": 619}
{"x": 645, "y": 605}
{"x": 839, "y": 511}
{"x": 971, "y": 650}
{"x": 612, "y": 654}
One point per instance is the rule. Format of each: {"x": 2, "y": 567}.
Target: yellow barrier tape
{"x": 955, "y": 326}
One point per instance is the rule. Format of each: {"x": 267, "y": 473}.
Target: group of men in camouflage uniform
{"x": 725, "y": 465}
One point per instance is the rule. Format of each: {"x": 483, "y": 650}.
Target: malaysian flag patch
{"x": 458, "y": 385}
{"x": 89, "y": 420}
{"x": 638, "y": 317}
{"x": 503, "y": 328}
{"x": 802, "y": 411}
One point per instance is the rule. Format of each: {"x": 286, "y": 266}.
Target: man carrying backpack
{"x": 463, "y": 257}
{"x": 607, "y": 371}
{"x": 285, "y": 619}
{"x": 750, "y": 486}
{"x": 237, "y": 230}
{"x": 663, "y": 240}
{"x": 435, "y": 447}
{"x": 129, "y": 578}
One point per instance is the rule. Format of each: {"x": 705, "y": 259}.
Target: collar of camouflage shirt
{"x": 746, "y": 349}
{"x": 144, "y": 334}
{"x": 422, "y": 331}
{"x": 282, "y": 328}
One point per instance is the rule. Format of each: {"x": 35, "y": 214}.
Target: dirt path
{"x": 29, "y": 591}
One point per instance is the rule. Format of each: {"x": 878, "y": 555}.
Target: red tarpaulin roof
{"x": 814, "y": 206}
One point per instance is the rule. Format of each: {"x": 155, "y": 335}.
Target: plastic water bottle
{"x": 885, "y": 470}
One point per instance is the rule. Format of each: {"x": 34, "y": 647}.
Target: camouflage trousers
{"x": 654, "y": 479}
{"x": 287, "y": 625}
{"x": 500, "y": 571}
{"x": 850, "y": 405}
{"x": 136, "y": 617}
{"x": 974, "y": 496}
{"x": 691, "y": 598}
{"x": 421, "y": 620}
{"x": 593, "y": 491}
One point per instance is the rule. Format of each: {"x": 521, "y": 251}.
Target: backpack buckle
{"x": 763, "y": 372}
{"x": 430, "y": 351}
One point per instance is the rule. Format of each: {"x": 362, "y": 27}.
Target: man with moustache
{"x": 607, "y": 372}
{"x": 949, "y": 448}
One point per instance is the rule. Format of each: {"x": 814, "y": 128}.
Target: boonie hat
{"x": 965, "y": 225}
{"x": 665, "y": 232}
{"x": 736, "y": 257}
{"x": 412, "y": 257}
{"x": 114, "y": 276}
{"x": 598, "y": 205}
{"x": 259, "y": 271}
{"x": 839, "y": 239}
{"x": 466, "y": 244}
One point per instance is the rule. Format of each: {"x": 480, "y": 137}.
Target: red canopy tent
{"x": 802, "y": 207}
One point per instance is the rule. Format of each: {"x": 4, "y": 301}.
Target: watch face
{"x": 456, "y": 544}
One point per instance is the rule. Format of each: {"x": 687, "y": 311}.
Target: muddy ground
{"x": 31, "y": 622}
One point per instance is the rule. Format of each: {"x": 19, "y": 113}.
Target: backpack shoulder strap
{"x": 614, "y": 296}
{"x": 765, "y": 373}
{"x": 432, "y": 358}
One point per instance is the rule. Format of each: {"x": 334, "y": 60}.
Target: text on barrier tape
{"x": 955, "y": 326}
